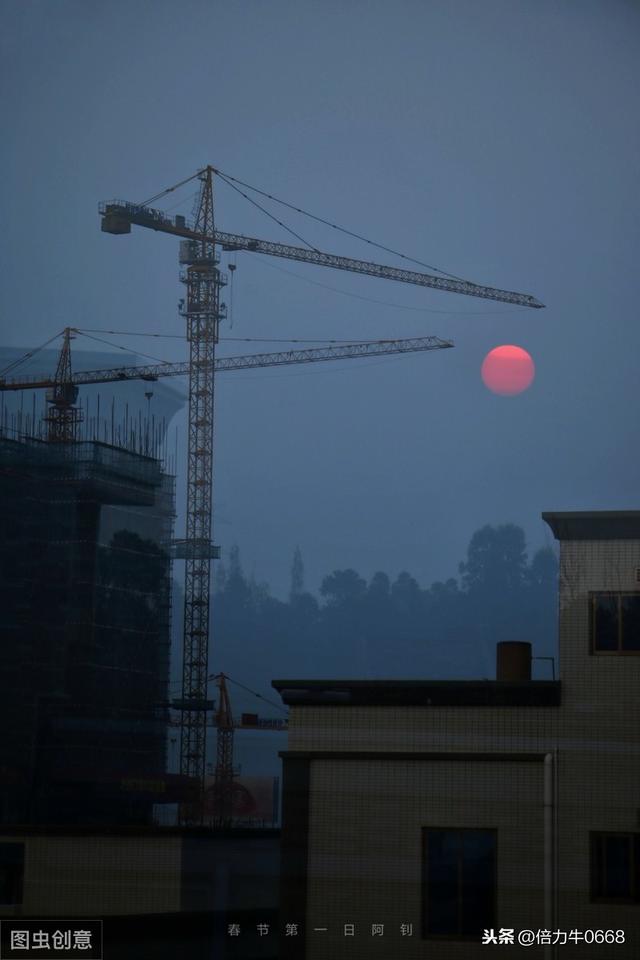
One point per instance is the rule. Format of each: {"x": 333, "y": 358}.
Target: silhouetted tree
{"x": 236, "y": 586}
{"x": 383, "y": 629}
{"x": 495, "y": 580}
{"x": 406, "y": 596}
{"x": 496, "y": 559}
{"x": 379, "y": 589}
{"x": 543, "y": 571}
{"x": 219, "y": 577}
{"x": 343, "y": 588}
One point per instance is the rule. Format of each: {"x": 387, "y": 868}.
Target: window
{"x": 615, "y": 867}
{"x": 615, "y": 623}
{"x": 459, "y": 882}
{"x": 11, "y": 872}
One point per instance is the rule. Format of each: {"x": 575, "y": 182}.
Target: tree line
{"x": 388, "y": 628}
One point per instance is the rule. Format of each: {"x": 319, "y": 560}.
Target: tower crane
{"x": 203, "y": 311}
{"x": 223, "y": 788}
{"x": 226, "y": 725}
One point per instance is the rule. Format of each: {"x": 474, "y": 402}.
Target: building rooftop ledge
{"x": 436, "y": 693}
{"x": 135, "y": 830}
{"x": 595, "y": 525}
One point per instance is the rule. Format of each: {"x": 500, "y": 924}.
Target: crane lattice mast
{"x": 63, "y": 417}
{"x": 203, "y": 312}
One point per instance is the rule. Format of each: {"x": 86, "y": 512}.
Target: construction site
{"x": 87, "y": 553}
{"x": 319, "y": 516}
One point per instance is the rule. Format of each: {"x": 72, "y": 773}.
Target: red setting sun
{"x": 508, "y": 370}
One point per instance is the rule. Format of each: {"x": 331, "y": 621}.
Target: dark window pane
{"x": 597, "y": 865}
{"x": 605, "y": 622}
{"x": 460, "y": 881}
{"x": 617, "y": 867}
{"x": 443, "y": 855}
{"x": 11, "y": 872}
{"x": 478, "y": 881}
{"x": 631, "y": 622}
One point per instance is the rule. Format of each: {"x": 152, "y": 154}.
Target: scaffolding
{"x": 85, "y": 605}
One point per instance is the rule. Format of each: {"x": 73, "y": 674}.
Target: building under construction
{"x": 85, "y": 597}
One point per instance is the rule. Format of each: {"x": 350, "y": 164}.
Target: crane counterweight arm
{"x": 377, "y": 348}
{"x": 118, "y": 216}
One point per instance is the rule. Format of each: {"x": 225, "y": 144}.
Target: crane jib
{"x": 367, "y": 268}
{"x": 118, "y": 215}
{"x": 375, "y": 348}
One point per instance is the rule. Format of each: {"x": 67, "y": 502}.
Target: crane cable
{"x": 148, "y": 356}
{"x": 266, "y": 212}
{"x": 258, "y": 695}
{"x": 182, "y": 336}
{"x": 384, "y": 303}
{"x": 230, "y": 181}
{"x": 118, "y": 346}
{"x": 227, "y": 178}
{"x": 214, "y": 676}
{"x": 29, "y": 355}
{"x": 163, "y": 193}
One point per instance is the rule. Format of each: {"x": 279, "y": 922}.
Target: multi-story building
{"x": 85, "y": 625}
{"x": 420, "y": 818}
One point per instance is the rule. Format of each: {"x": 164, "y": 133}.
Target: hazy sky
{"x": 496, "y": 139}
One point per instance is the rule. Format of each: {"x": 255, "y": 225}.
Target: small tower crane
{"x": 219, "y": 801}
{"x": 223, "y": 783}
{"x": 63, "y": 417}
